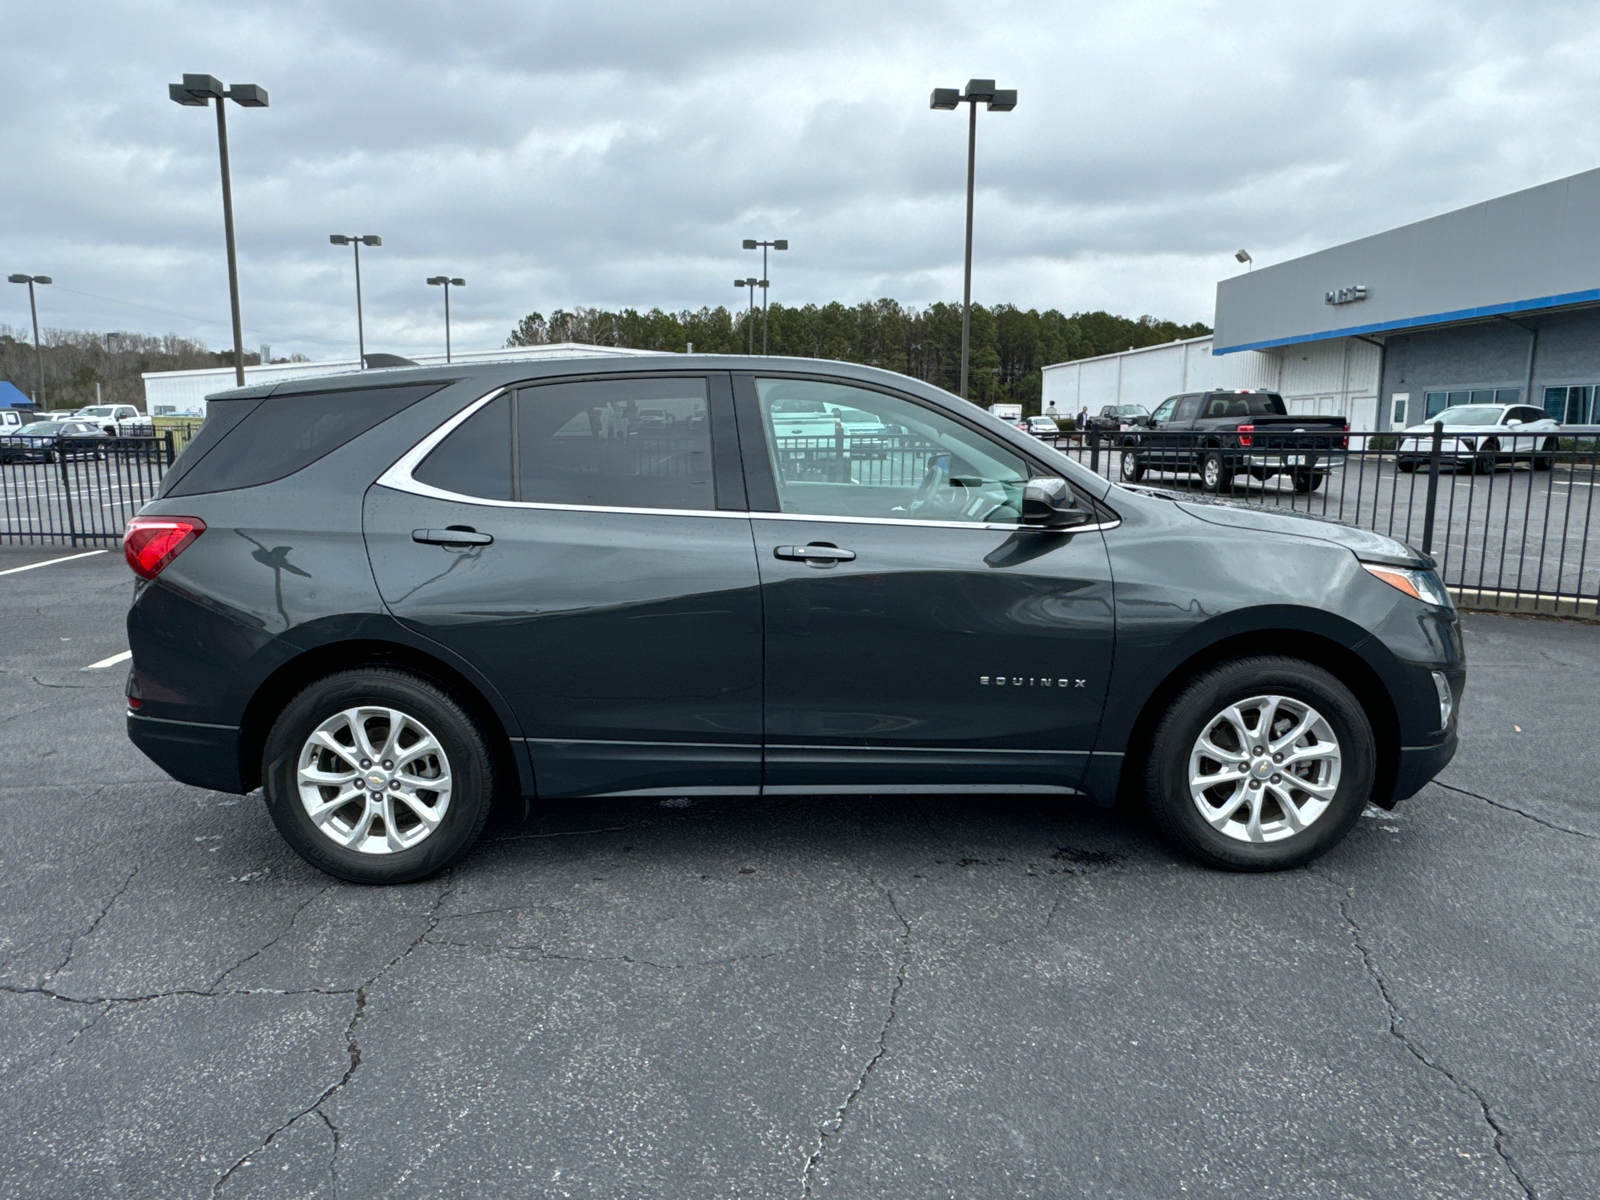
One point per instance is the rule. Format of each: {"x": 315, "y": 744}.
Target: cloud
{"x": 615, "y": 154}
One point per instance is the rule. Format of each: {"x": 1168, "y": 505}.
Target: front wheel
{"x": 1132, "y": 468}
{"x": 1546, "y": 460}
{"x": 1488, "y": 455}
{"x": 377, "y": 776}
{"x": 1260, "y": 764}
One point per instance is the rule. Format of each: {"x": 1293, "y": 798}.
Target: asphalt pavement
{"x": 896, "y": 997}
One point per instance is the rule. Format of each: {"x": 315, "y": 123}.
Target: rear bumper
{"x": 203, "y": 755}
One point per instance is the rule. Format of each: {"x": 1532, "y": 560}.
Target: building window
{"x": 1571, "y": 405}
{"x": 1397, "y": 419}
{"x": 1437, "y": 402}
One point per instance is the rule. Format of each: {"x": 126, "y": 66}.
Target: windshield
{"x": 95, "y": 412}
{"x": 41, "y": 428}
{"x": 1470, "y": 414}
{"x": 1132, "y": 410}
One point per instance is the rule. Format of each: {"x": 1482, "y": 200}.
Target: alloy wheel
{"x": 1264, "y": 769}
{"x": 374, "y": 780}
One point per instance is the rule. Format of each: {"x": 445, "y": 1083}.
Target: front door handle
{"x": 451, "y": 537}
{"x": 814, "y": 553}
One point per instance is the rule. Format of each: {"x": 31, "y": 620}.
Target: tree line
{"x": 75, "y": 360}
{"x": 1009, "y": 345}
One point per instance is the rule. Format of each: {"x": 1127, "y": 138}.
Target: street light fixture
{"x": 1244, "y": 257}
{"x": 196, "y": 91}
{"x": 750, "y": 319}
{"x": 447, "y": 283}
{"x": 38, "y": 356}
{"x": 356, "y": 241}
{"x": 751, "y": 244}
{"x": 979, "y": 91}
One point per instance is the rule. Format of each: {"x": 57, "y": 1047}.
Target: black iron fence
{"x": 1510, "y": 517}
{"x": 76, "y": 491}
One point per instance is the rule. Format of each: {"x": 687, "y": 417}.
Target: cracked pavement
{"x": 897, "y": 997}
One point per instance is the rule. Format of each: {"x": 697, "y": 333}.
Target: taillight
{"x": 150, "y": 543}
{"x": 1244, "y": 434}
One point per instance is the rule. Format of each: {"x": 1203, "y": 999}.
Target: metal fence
{"x": 76, "y": 491}
{"x": 1509, "y": 517}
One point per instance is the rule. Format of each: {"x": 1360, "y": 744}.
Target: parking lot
{"x": 897, "y": 996}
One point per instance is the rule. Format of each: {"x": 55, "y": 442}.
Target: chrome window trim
{"x": 399, "y": 478}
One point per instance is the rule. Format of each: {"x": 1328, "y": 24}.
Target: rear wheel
{"x": 377, "y": 776}
{"x": 1307, "y": 481}
{"x": 1132, "y": 467}
{"x": 1406, "y": 465}
{"x": 1215, "y": 474}
{"x": 1260, "y": 764}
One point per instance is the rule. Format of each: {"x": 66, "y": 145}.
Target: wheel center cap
{"x": 377, "y": 779}
{"x": 1262, "y": 768}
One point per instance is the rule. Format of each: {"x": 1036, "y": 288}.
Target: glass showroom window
{"x": 1437, "y": 402}
{"x": 1570, "y": 405}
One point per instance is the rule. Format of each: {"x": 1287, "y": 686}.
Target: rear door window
{"x": 284, "y": 434}
{"x": 625, "y": 443}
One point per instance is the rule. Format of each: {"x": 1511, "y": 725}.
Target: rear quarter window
{"x": 283, "y": 434}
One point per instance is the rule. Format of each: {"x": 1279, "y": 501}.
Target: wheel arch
{"x": 1339, "y": 660}
{"x": 298, "y": 673}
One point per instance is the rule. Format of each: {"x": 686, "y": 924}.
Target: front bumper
{"x": 203, "y": 755}
{"x": 1418, "y": 766}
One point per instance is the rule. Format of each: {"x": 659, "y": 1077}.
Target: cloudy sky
{"x": 616, "y": 154}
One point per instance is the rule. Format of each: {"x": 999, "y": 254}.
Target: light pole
{"x": 751, "y": 244}
{"x": 356, "y": 241}
{"x": 750, "y": 318}
{"x": 196, "y": 91}
{"x": 979, "y": 91}
{"x": 447, "y": 283}
{"x": 38, "y": 355}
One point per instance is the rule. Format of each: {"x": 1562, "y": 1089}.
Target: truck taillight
{"x": 1345, "y": 443}
{"x": 150, "y": 543}
{"x": 1244, "y": 434}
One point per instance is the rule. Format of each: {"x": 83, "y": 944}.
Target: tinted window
{"x": 285, "y": 434}
{"x": 1187, "y": 408}
{"x": 221, "y": 417}
{"x": 475, "y": 459}
{"x": 629, "y": 443}
{"x": 909, "y": 462}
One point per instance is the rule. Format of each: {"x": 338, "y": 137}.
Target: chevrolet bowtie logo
{"x": 1029, "y": 681}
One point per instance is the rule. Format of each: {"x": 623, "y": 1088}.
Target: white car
{"x": 1482, "y": 436}
{"x": 116, "y": 419}
{"x": 1041, "y": 427}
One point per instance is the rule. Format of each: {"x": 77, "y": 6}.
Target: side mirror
{"x": 1512, "y": 422}
{"x": 1048, "y": 503}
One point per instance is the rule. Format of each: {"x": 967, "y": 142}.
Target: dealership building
{"x": 1495, "y": 303}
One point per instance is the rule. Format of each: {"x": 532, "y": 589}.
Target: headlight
{"x": 1419, "y": 585}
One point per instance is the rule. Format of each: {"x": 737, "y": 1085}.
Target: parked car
{"x": 1043, "y": 428}
{"x": 50, "y": 441}
{"x": 1113, "y": 417}
{"x": 1219, "y": 434}
{"x": 117, "y": 420}
{"x": 12, "y": 419}
{"x": 359, "y": 599}
{"x": 1480, "y": 437}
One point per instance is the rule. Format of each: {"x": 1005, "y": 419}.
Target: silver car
{"x": 1481, "y": 437}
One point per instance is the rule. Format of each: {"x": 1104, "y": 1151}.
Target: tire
{"x": 1547, "y": 460}
{"x": 1201, "y": 707}
{"x": 1405, "y": 465}
{"x": 50, "y": 456}
{"x": 1133, "y": 468}
{"x": 1306, "y": 482}
{"x": 1215, "y": 473}
{"x": 406, "y": 850}
{"x": 1488, "y": 454}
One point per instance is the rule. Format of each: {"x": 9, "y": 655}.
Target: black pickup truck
{"x": 1220, "y": 434}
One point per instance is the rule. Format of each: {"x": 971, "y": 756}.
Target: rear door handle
{"x": 813, "y": 553}
{"x": 451, "y": 537}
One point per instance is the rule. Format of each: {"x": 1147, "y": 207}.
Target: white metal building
{"x": 183, "y": 393}
{"x": 1338, "y": 377}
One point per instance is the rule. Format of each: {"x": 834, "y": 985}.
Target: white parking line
{"x": 50, "y": 562}
{"x": 110, "y": 662}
